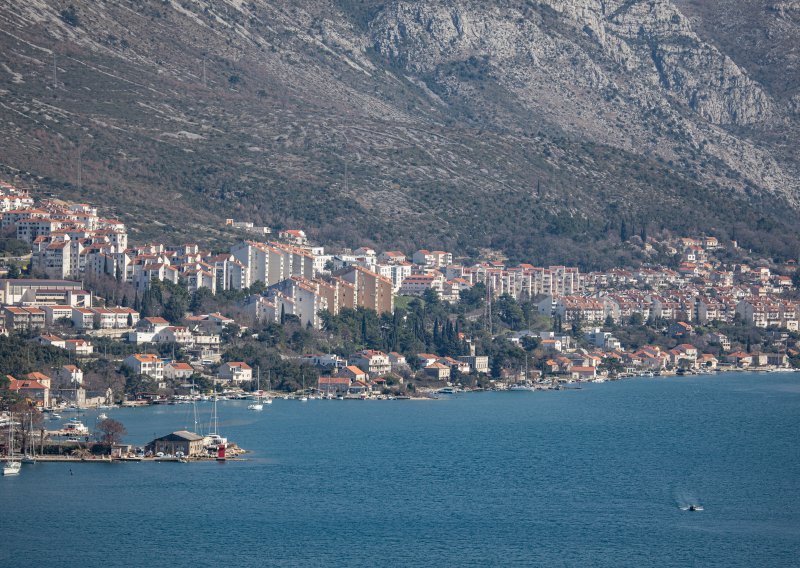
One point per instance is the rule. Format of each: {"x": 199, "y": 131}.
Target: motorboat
{"x": 102, "y": 416}
{"x": 520, "y": 387}
{"x": 75, "y": 426}
{"x": 255, "y": 406}
{"x": 12, "y": 467}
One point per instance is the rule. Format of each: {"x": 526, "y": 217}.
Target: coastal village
{"x": 81, "y": 289}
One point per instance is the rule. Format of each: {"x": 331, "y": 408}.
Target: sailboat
{"x": 303, "y": 397}
{"x": 216, "y": 439}
{"x": 12, "y": 466}
{"x": 268, "y": 400}
{"x": 30, "y": 456}
{"x": 257, "y": 405}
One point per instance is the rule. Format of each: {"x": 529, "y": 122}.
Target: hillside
{"x": 535, "y": 128}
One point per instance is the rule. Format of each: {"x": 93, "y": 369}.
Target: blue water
{"x": 591, "y": 477}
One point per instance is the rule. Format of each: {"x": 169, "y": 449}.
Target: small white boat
{"x": 258, "y": 405}
{"x": 12, "y": 466}
{"x": 27, "y": 458}
{"x": 102, "y": 416}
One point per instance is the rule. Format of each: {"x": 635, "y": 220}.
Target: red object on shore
{"x": 221, "y": 452}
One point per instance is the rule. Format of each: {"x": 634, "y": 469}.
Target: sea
{"x": 596, "y": 476}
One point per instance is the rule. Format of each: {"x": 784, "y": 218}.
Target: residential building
{"x": 235, "y": 372}
{"x": 145, "y": 364}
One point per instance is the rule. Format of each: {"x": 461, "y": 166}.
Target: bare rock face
{"x": 574, "y": 58}
{"x": 646, "y": 109}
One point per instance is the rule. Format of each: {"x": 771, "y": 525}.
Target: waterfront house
{"x": 334, "y": 385}
{"x": 583, "y": 373}
{"x": 188, "y": 443}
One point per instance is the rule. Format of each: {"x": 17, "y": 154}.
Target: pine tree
{"x": 364, "y": 328}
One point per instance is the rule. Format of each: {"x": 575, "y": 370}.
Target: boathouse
{"x": 189, "y": 443}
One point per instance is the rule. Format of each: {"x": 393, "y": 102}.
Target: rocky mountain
{"x": 534, "y": 128}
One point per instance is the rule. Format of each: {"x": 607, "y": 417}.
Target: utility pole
{"x": 80, "y": 166}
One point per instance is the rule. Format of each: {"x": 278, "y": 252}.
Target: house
{"x": 174, "y": 334}
{"x": 583, "y": 373}
{"x": 720, "y": 339}
{"x": 427, "y": 358}
{"x": 680, "y": 329}
{"x": 334, "y": 385}
{"x": 70, "y": 374}
{"x": 182, "y": 441}
{"x": 51, "y": 340}
{"x": 454, "y": 364}
{"x": 707, "y": 361}
{"x": 375, "y": 363}
{"x": 79, "y": 346}
{"x": 152, "y": 324}
{"x": 174, "y": 370}
{"x": 740, "y": 359}
{"x": 477, "y": 364}
{"x": 295, "y": 236}
{"x": 33, "y": 390}
{"x": 326, "y": 362}
{"x": 359, "y": 388}
{"x": 235, "y": 372}
{"x": 353, "y": 373}
{"x": 437, "y": 371}
{"x": 777, "y": 359}
{"x": 145, "y": 364}
{"x": 397, "y": 361}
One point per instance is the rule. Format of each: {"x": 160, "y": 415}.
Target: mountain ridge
{"x": 534, "y": 128}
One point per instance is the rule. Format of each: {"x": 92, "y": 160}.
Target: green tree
{"x": 175, "y": 309}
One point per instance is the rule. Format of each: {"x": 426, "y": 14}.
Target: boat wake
{"x": 687, "y": 502}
